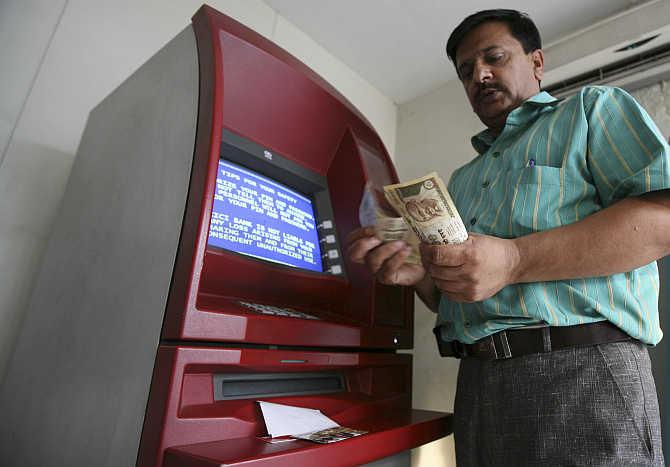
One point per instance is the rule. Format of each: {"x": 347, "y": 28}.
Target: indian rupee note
{"x": 388, "y": 227}
{"x": 426, "y": 206}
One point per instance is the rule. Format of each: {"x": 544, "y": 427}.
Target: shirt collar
{"x": 483, "y": 140}
{"x": 541, "y": 98}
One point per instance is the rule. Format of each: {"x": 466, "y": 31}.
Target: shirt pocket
{"x": 543, "y": 197}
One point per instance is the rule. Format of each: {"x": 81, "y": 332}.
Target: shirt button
{"x": 496, "y": 154}
{"x": 473, "y": 221}
{"x": 485, "y": 184}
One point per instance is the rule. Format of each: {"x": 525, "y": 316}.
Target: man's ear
{"x": 537, "y": 58}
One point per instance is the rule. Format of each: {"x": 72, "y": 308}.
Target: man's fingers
{"x": 461, "y": 291}
{"x": 359, "y": 249}
{"x": 445, "y": 255}
{"x": 388, "y": 273}
{"x": 360, "y": 233}
{"x": 451, "y": 287}
{"x": 447, "y": 273}
{"x": 377, "y": 257}
{"x": 453, "y": 291}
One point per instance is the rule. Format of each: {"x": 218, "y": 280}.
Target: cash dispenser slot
{"x": 263, "y": 385}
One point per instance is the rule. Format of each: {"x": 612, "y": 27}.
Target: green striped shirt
{"x": 556, "y": 162}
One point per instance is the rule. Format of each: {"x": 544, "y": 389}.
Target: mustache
{"x": 483, "y": 87}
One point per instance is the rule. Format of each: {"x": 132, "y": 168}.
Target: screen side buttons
{"x": 333, "y": 254}
{"x": 330, "y": 251}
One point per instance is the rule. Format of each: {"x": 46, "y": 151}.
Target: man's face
{"x": 496, "y": 73}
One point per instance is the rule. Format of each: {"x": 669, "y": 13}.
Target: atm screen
{"x": 255, "y": 216}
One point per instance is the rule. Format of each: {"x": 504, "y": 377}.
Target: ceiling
{"x": 398, "y": 45}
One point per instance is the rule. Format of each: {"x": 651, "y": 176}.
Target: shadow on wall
{"x": 32, "y": 183}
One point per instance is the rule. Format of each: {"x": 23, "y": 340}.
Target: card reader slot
{"x": 261, "y": 385}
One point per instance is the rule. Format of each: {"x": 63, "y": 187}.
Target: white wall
{"x": 58, "y": 59}
{"x": 434, "y": 134}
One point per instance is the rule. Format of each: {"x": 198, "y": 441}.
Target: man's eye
{"x": 466, "y": 73}
{"x": 495, "y": 58}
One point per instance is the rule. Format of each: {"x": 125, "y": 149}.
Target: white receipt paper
{"x": 285, "y": 420}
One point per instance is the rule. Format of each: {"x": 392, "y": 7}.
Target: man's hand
{"x": 385, "y": 260}
{"x": 474, "y": 270}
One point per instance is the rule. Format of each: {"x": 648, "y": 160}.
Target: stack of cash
{"x": 425, "y": 204}
{"x": 427, "y": 214}
{"x": 375, "y": 211}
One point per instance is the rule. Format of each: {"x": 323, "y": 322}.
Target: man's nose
{"x": 482, "y": 73}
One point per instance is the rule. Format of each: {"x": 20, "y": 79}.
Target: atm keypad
{"x": 276, "y": 311}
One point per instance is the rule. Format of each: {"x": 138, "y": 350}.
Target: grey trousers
{"x": 591, "y": 406}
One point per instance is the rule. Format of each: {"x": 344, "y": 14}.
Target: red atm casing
{"x": 252, "y": 88}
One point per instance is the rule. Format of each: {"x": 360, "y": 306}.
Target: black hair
{"x": 520, "y": 26}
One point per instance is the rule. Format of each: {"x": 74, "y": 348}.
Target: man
{"x": 552, "y": 300}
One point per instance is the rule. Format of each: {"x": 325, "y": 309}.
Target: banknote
{"x": 375, "y": 211}
{"x": 426, "y": 206}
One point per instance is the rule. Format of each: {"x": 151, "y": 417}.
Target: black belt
{"x": 523, "y": 341}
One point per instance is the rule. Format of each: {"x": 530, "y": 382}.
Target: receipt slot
{"x": 197, "y": 265}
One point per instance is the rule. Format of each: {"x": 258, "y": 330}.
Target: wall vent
{"x": 631, "y": 73}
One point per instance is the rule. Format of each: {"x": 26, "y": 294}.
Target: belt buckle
{"x": 499, "y": 346}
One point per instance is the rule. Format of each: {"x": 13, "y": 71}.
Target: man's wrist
{"x": 517, "y": 256}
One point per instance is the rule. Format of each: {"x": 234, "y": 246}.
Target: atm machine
{"x": 198, "y": 266}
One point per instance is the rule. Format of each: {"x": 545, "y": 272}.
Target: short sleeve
{"x": 626, "y": 153}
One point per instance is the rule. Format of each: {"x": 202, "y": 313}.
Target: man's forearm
{"x": 622, "y": 237}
